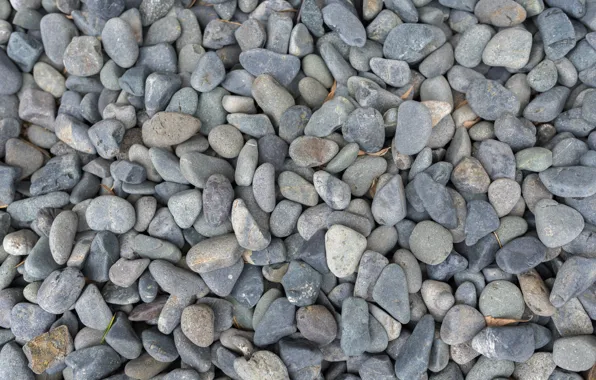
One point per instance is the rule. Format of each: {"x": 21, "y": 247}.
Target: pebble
{"x": 344, "y": 248}
{"x": 501, "y": 299}
{"x": 430, "y": 242}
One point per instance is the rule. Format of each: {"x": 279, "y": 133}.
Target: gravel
{"x": 295, "y": 190}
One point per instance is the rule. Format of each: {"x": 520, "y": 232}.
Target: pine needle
{"x": 498, "y": 240}
{"x": 103, "y": 338}
{"x": 235, "y": 323}
{"x": 3, "y": 206}
{"x": 19, "y": 264}
{"x": 331, "y": 93}
{"x": 461, "y": 104}
{"x": 192, "y": 3}
{"x": 497, "y": 322}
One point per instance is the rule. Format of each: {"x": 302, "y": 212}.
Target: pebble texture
{"x": 271, "y": 189}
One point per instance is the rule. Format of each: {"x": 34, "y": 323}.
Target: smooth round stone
{"x": 82, "y": 56}
{"x": 393, "y": 72}
{"x": 509, "y": 48}
{"x": 344, "y": 247}
{"x": 226, "y": 140}
{"x": 489, "y": 99}
{"x": 295, "y": 188}
{"x": 49, "y": 79}
{"x": 29, "y": 320}
{"x": 161, "y": 347}
{"x": 185, "y": 207}
{"x": 557, "y": 224}
{"x": 333, "y": 191}
{"x": 197, "y": 323}
{"x": 209, "y": 73}
{"x": 503, "y": 194}
{"x": 576, "y": 353}
{"x": 412, "y": 42}
{"x": 497, "y": 159}
{"x": 501, "y": 299}
{"x": 262, "y": 365}
{"x": 365, "y": 126}
{"x": 316, "y": 324}
{"x": 110, "y": 213}
{"x": 536, "y": 159}
{"x": 249, "y": 234}
{"x": 468, "y": 51}
{"x": 119, "y": 42}
{"x": 313, "y": 92}
{"x": 470, "y": 176}
{"x": 500, "y": 13}
{"x": 521, "y": 254}
{"x": 461, "y": 324}
{"x": 301, "y": 284}
{"x": 430, "y": 242}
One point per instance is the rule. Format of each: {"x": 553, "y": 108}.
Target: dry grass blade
{"x": 229, "y": 22}
{"x": 332, "y": 92}
{"x": 19, "y": 264}
{"x": 192, "y": 3}
{"x": 3, "y": 206}
{"x": 380, "y": 153}
{"x": 471, "y": 123}
{"x": 373, "y": 187}
{"x": 103, "y": 338}
{"x": 111, "y": 191}
{"x": 496, "y": 322}
{"x": 461, "y": 104}
{"x": 43, "y": 151}
{"x": 407, "y": 93}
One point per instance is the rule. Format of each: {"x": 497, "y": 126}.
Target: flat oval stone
{"x": 111, "y": 213}
{"x": 412, "y": 42}
{"x": 262, "y": 365}
{"x": 413, "y": 358}
{"x": 297, "y": 189}
{"x": 521, "y": 254}
{"x": 333, "y": 191}
{"x": 197, "y": 323}
{"x": 311, "y": 151}
{"x": 500, "y": 13}
{"x": 514, "y": 343}
{"x": 99, "y": 360}
{"x": 350, "y": 29}
{"x": 571, "y": 181}
{"x": 214, "y": 253}
{"x": 509, "y": 48}
{"x": 414, "y": 127}
{"x": 557, "y": 224}
{"x": 282, "y": 67}
{"x": 159, "y": 131}
{"x": 119, "y": 42}
{"x": 489, "y": 99}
